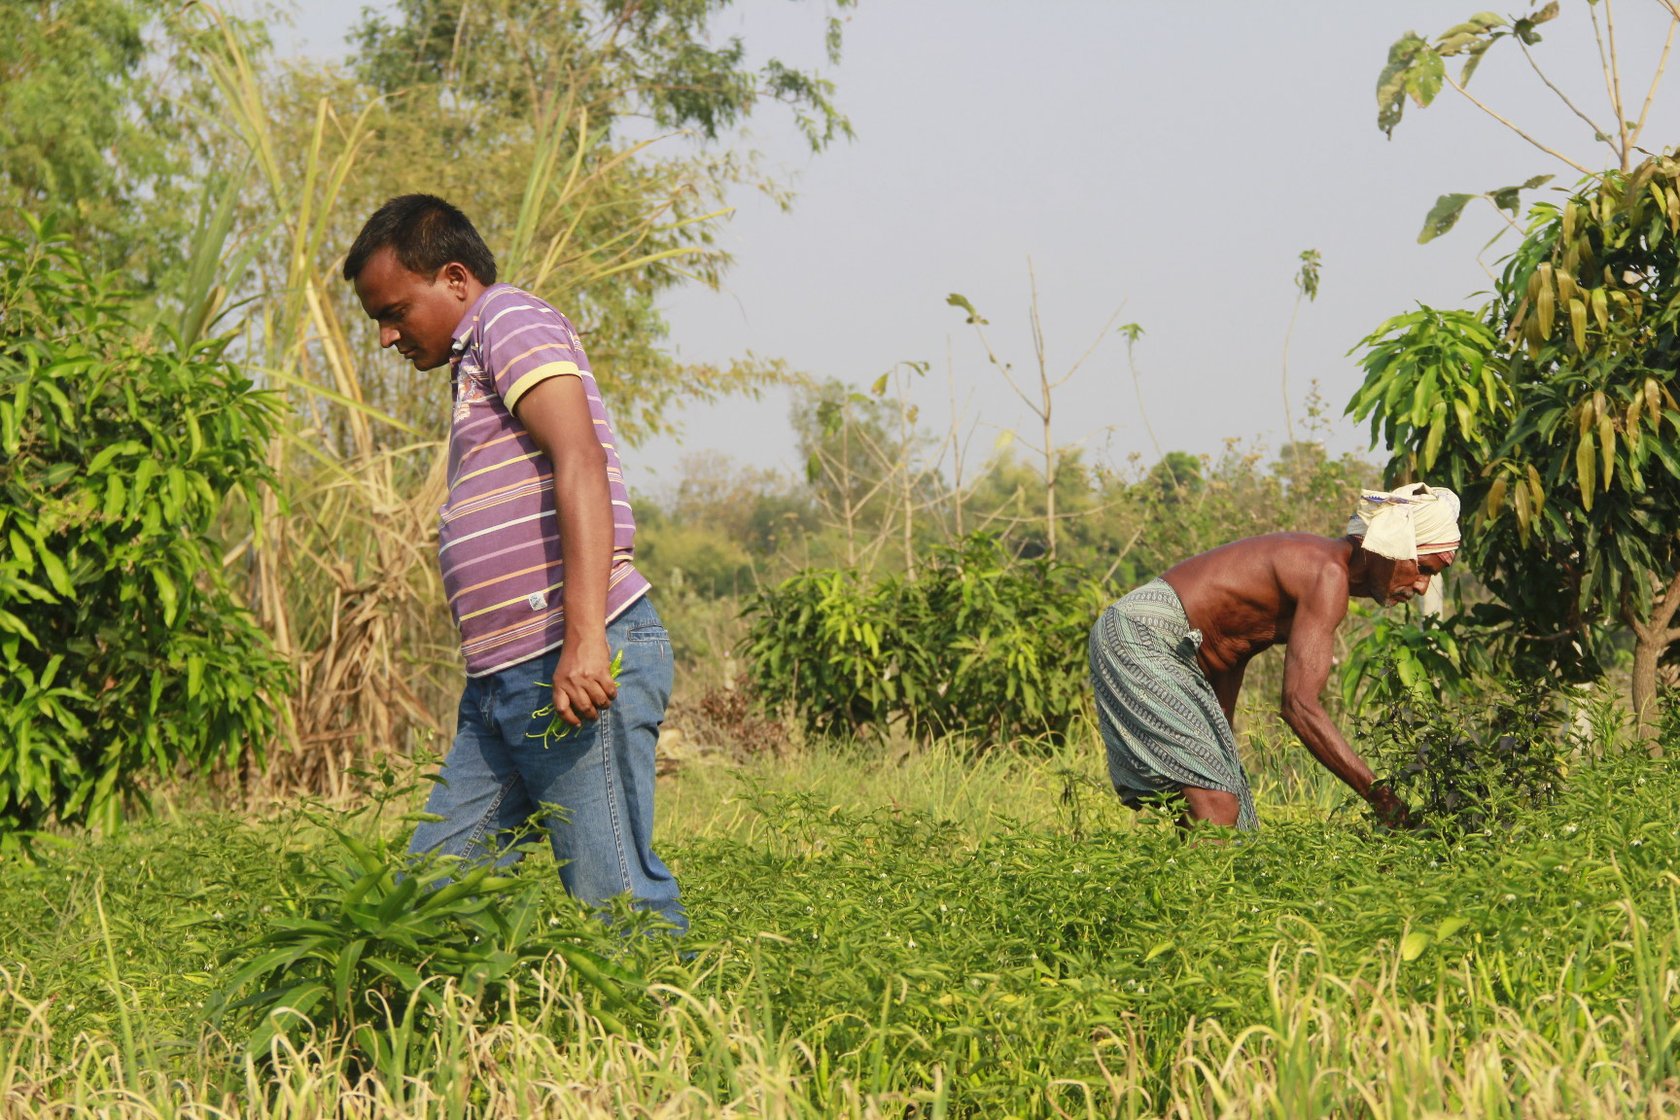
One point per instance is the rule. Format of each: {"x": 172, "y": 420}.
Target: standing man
{"x": 1167, "y": 659}
{"x": 537, "y": 550}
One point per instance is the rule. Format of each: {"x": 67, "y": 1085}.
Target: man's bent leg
{"x": 478, "y": 793}
{"x": 1212, "y": 806}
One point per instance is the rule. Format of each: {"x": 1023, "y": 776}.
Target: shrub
{"x": 980, "y": 644}
{"x": 1468, "y": 764}
{"x": 369, "y": 935}
{"x": 1398, "y": 658}
{"x": 122, "y": 648}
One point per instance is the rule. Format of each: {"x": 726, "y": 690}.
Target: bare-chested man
{"x": 1167, "y": 660}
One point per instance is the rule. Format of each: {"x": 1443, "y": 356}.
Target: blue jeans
{"x": 501, "y": 771}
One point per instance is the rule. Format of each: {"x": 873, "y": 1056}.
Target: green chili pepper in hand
{"x": 558, "y": 730}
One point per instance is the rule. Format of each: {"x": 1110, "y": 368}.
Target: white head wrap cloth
{"x": 1403, "y": 524}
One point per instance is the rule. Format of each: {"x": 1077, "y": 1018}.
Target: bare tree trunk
{"x": 1651, "y": 639}
{"x": 1645, "y": 654}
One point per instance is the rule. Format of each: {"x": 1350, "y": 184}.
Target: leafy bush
{"x": 1399, "y": 658}
{"x": 980, "y": 643}
{"x": 371, "y": 935}
{"x": 1469, "y": 764}
{"x": 121, "y": 645}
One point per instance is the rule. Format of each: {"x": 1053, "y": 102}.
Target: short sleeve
{"x": 525, "y": 342}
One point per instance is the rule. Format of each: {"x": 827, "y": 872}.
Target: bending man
{"x": 1167, "y": 659}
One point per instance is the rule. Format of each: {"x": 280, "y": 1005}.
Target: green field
{"x": 933, "y": 936}
{"x": 913, "y": 893}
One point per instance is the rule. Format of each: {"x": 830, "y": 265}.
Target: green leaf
{"x": 1413, "y": 945}
{"x": 344, "y": 969}
{"x": 957, "y": 300}
{"x": 167, "y": 594}
{"x": 1432, "y": 443}
{"x": 1391, "y": 84}
{"x": 405, "y": 974}
{"x": 103, "y": 460}
{"x": 1443, "y": 216}
{"x": 1509, "y": 198}
{"x": 57, "y": 574}
{"x": 1585, "y": 469}
{"x": 1578, "y": 324}
{"x": 1426, "y": 76}
{"x": 116, "y": 498}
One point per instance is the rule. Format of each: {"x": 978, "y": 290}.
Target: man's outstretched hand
{"x": 1390, "y": 810}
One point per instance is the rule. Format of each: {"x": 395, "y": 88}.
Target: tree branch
{"x": 1555, "y": 154}
{"x": 1663, "y": 613}
{"x": 1616, "y": 85}
{"x": 1612, "y": 78}
{"x": 1597, "y": 131}
{"x": 1656, "y": 78}
{"x": 1092, "y": 349}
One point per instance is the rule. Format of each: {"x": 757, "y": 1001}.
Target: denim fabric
{"x": 499, "y": 773}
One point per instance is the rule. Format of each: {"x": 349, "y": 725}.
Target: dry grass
{"x": 1335, "y": 1048}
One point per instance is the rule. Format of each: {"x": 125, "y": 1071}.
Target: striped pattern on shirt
{"x": 499, "y": 541}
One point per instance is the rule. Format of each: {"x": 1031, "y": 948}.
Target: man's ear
{"x": 456, "y": 277}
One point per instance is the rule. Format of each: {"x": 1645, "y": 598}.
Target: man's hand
{"x": 583, "y": 681}
{"x": 1390, "y": 810}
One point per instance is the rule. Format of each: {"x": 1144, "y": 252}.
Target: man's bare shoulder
{"x": 1267, "y": 574}
{"x": 1297, "y": 553}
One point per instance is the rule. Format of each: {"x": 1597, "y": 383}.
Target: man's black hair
{"x": 426, "y": 233}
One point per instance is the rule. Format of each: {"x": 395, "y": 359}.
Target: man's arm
{"x": 556, "y": 413}
{"x": 1226, "y": 686}
{"x": 1306, "y": 670}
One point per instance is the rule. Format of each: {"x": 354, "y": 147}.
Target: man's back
{"x": 1244, "y": 596}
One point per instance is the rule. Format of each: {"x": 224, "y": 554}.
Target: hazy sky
{"x": 1170, "y": 160}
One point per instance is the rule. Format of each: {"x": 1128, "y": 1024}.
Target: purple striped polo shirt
{"x": 499, "y": 542}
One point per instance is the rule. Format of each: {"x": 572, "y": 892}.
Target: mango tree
{"x": 1552, "y": 411}
{"x": 123, "y": 454}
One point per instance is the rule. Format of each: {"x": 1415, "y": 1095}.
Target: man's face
{"x": 416, "y": 314}
{"x": 1401, "y": 581}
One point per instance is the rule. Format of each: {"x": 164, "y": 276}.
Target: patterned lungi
{"x": 1160, "y": 720}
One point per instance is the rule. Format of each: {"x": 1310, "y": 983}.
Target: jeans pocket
{"x": 647, "y": 634}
